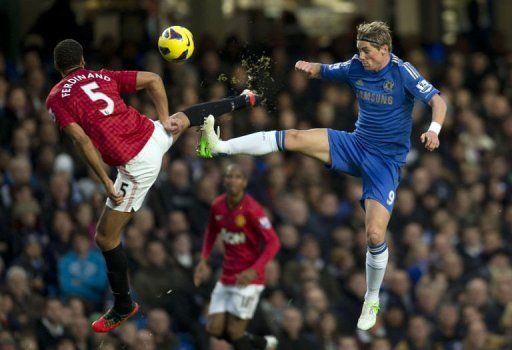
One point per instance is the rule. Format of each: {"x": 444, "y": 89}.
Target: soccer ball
{"x": 176, "y": 43}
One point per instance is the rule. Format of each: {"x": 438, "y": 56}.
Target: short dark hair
{"x": 67, "y": 54}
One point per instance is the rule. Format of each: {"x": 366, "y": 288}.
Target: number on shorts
{"x": 123, "y": 188}
{"x": 96, "y": 96}
{"x": 246, "y": 302}
{"x": 391, "y": 197}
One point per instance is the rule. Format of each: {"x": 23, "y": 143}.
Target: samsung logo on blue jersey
{"x": 374, "y": 97}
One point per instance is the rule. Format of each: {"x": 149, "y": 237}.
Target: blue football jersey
{"x": 386, "y": 99}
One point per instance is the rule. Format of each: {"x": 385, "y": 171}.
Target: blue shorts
{"x": 380, "y": 174}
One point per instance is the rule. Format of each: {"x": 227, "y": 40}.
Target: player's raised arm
{"x": 424, "y": 91}
{"x": 155, "y": 87}
{"x": 335, "y": 72}
{"x": 311, "y": 69}
{"x": 431, "y": 137}
{"x": 87, "y": 150}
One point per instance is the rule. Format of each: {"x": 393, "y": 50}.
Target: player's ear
{"x": 82, "y": 61}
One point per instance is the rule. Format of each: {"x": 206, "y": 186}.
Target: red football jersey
{"x": 92, "y": 99}
{"x": 247, "y": 234}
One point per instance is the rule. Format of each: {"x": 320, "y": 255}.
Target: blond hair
{"x": 376, "y": 33}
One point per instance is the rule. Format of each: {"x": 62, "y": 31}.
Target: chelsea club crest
{"x": 389, "y": 85}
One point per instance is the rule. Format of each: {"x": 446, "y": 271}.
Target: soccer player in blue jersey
{"x": 386, "y": 88}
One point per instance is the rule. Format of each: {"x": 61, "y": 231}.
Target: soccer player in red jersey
{"x": 87, "y": 105}
{"x": 244, "y": 228}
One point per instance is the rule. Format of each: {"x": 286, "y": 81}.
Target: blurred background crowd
{"x": 449, "y": 280}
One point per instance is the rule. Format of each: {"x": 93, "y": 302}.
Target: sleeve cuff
{"x": 323, "y": 67}
{"x": 65, "y": 123}
{"x": 432, "y": 94}
{"x": 132, "y": 78}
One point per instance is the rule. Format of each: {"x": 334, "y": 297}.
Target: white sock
{"x": 376, "y": 262}
{"x": 256, "y": 144}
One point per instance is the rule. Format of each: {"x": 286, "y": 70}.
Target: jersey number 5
{"x": 96, "y": 96}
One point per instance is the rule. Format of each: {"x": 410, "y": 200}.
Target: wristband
{"x": 435, "y": 127}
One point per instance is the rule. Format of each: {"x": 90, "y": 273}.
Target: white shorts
{"x": 238, "y": 301}
{"x": 135, "y": 178}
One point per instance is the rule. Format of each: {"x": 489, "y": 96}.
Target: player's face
{"x": 371, "y": 57}
{"x": 234, "y": 181}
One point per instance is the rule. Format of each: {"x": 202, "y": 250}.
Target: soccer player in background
{"x": 386, "y": 88}
{"x": 87, "y": 105}
{"x": 243, "y": 227}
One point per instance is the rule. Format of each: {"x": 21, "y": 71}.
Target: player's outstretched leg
{"x": 257, "y": 144}
{"x": 108, "y": 240}
{"x": 377, "y": 218}
{"x": 197, "y": 113}
{"x": 313, "y": 142}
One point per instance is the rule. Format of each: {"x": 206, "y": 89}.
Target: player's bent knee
{"x": 235, "y": 331}
{"x": 101, "y": 240}
{"x": 374, "y": 236}
{"x": 292, "y": 139}
{"x": 214, "y": 330}
{"x": 104, "y": 241}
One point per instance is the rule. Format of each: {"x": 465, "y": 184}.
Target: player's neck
{"x": 71, "y": 70}
{"x": 234, "y": 200}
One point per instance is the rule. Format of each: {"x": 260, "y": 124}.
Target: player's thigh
{"x": 381, "y": 177}
{"x": 376, "y": 221}
{"x": 135, "y": 178}
{"x": 216, "y": 324}
{"x": 236, "y": 326}
{"x": 346, "y": 154}
{"x": 313, "y": 143}
{"x": 219, "y": 299}
{"x": 163, "y": 138}
{"x": 380, "y": 181}
{"x": 244, "y": 300}
{"x": 109, "y": 228}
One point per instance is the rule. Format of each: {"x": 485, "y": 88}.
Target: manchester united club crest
{"x": 240, "y": 220}
{"x": 389, "y": 85}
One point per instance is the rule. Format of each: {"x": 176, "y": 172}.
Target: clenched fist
{"x": 312, "y": 70}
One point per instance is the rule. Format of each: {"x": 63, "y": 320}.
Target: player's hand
{"x": 200, "y": 272}
{"x": 167, "y": 124}
{"x": 177, "y": 123}
{"x": 246, "y": 277}
{"x": 430, "y": 139}
{"x": 115, "y": 196}
{"x": 312, "y": 70}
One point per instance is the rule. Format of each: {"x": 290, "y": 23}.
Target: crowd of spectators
{"x": 449, "y": 279}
